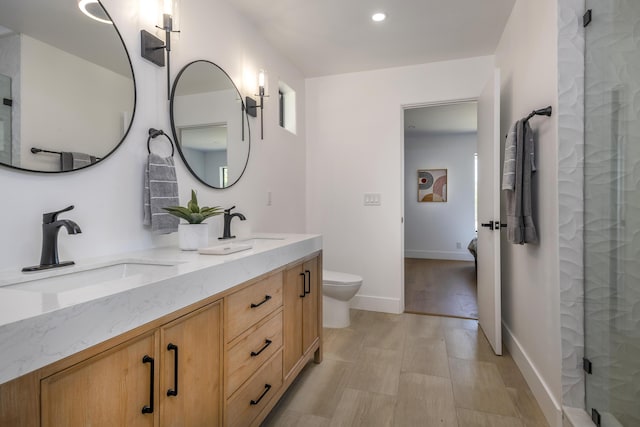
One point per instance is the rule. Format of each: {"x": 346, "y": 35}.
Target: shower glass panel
{"x": 612, "y": 212}
{"x": 5, "y": 119}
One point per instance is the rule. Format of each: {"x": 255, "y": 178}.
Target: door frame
{"x": 404, "y": 107}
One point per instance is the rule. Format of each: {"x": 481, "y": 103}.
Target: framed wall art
{"x": 432, "y": 185}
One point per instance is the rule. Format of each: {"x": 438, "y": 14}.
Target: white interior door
{"x": 489, "y": 299}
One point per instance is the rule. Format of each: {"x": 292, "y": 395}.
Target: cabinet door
{"x": 190, "y": 390}
{"x": 310, "y": 304}
{"x": 109, "y": 389}
{"x": 292, "y": 317}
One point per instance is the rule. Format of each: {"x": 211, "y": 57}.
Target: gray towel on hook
{"x": 520, "y": 226}
{"x": 70, "y": 161}
{"x": 160, "y": 191}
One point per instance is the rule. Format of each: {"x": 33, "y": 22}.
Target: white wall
{"x": 528, "y": 58}
{"x": 355, "y": 145}
{"x": 108, "y": 196}
{"x": 432, "y": 230}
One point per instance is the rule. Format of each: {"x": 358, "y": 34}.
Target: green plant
{"x": 193, "y": 213}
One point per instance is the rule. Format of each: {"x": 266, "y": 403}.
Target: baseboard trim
{"x": 370, "y": 303}
{"x": 548, "y": 404}
{"x": 577, "y": 417}
{"x": 449, "y": 256}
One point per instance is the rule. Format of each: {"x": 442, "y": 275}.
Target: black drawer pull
{"x": 308, "y": 273}
{"x": 174, "y": 391}
{"x": 266, "y": 298}
{"x": 304, "y": 285}
{"x": 267, "y": 387}
{"x": 267, "y": 343}
{"x": 149, "y": 409}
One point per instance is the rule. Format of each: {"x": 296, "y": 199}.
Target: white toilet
{"x": 337, "y": 290}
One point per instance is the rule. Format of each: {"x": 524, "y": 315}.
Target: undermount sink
{"x": 79, "y": 277}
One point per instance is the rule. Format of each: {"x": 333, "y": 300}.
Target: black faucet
{"x": 50, "y": 227}
{"x": 228, "y": 216}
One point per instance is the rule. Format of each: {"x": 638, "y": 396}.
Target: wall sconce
{"x": 152, "y": 46}
{"x": 252, "y": 106}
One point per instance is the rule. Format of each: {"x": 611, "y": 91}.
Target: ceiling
{"x": 440, "y": 119}
{"x": 337, "y": 36}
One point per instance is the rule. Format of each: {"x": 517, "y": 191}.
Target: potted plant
{"x": 194, "y": 233}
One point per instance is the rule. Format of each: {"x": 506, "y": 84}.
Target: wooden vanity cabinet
{"x": 113, "y": 387}
{"x": 225, "y": 360}
{"x": 302, "y": 312}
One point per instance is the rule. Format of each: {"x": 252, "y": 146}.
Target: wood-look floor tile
{"x": 288, "y": 418}
{"x": 527, "y": 407}
{"x": 424, "y": 326}
{"x": 469, "y": 418}
{"x": 468, "y": 344}
{"x": 388, "y": 331}
{"x": 424, "y": 401}
{"x": 342, "y": 344}
{"x": 359, "y": 408}
{"x": 478, "y": 385}
{"x": 318, "y": 388}
{"x": 426, "y": 356}
{"x": 456, "y": 323}
{"x": 377, "y": 370}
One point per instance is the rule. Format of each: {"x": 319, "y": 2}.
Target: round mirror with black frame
{"x": 66, "y": 84}
{"x": 209, "y": 124}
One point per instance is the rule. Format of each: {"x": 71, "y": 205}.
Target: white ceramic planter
{"x": 193, "y": 236}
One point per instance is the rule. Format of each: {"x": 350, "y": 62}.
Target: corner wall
{"x": 528, "y": 58}
{"x": 108, "y": 196}
{"x": 355, "y": 146}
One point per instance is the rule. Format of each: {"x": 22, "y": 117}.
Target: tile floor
{"x": 440, "y": 287}
{"x": 408, "y": 370}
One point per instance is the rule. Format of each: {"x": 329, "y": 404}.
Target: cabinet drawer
{"x": 248, "y": 306}
{"x": 252, "y": 397}
{"x": 252, "y": 351}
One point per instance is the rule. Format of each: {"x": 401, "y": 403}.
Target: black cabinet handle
{"x": 174, "y": 391}
{"x": 488, "y": 224}
{"x": 149, "y": 409}
{"x": 304, "y": 285}
{"x": 267, "y": 343}
{"x": 308, "y": 273}
{"x": 267, "y": 387}
{"x": 266, "y": 298}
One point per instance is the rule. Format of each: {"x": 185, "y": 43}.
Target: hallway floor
{"x": 408, "y": 370}
{"x": 440, "y": 287}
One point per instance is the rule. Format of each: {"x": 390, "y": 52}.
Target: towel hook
{"x": 153, "y": 133}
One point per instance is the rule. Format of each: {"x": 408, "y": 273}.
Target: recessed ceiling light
{"x": 94, "y": 10}
{"x": 379, "y": 17}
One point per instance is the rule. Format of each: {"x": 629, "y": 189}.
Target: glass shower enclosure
{"x": 612, "y": 212}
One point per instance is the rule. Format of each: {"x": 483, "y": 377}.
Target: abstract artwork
{"x": 432, "y": 185}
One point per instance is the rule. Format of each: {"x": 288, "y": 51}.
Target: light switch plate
{"x": 372, "y": 199}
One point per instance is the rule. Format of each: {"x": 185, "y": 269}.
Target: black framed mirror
{"x": 66, "y": 84}
{"x": 209, "y": 124}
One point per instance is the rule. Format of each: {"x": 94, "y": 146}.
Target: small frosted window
{"x": 287, "y": 107}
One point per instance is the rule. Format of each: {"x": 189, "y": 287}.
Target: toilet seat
{"x": 338, "y": 278}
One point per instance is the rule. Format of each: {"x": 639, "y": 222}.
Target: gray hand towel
{"x": 509, "y": 168}
{"x": 70, "y": 161}
{"x": 520, "y": 226}
{"x": 160, "y": 191}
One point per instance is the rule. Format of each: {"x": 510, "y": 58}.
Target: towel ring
{"x": 157, "y": 132}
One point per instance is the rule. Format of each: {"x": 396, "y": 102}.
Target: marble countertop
{"x": 38, "y": 328}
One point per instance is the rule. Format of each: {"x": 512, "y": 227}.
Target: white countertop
{"x": 39, "y": 328}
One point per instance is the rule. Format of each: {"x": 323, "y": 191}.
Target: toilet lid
{"x": 337, "y": 278}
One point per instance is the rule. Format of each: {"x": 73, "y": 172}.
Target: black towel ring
{"x": 153, "y": 133}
